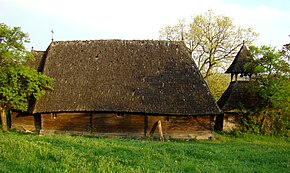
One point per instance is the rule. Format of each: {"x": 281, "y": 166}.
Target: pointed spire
{"x": 237, "y": 67}
{"x": 52, "y": 35}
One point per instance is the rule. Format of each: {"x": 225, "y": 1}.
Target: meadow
{"x": 63, "y": 153}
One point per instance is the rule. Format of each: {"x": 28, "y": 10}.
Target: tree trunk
{"x": 4, "y": 119}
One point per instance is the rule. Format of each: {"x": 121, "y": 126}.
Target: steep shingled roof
{"x": 154, "y": 77}
{"x": 237, "y": 96}
{"x": 243, "y": 57}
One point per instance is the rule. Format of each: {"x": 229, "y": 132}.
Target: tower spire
{"x": 52, "y": 35}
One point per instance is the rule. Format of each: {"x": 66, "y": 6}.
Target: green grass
{"x": 62, "y": 153}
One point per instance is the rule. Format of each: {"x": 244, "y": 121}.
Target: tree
{"x": 272, "y": 75}
{"x": 174, "y": 32}
{"x": 286, "y": 50}
{"x": 217, "y": 84}
{"x": 213, "y": 39}
{"x": 269, "y": 61}
{"x": 18, "y": 82}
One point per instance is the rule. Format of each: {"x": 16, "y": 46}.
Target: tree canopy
{"x": 272, "y": 75}
{"x": 18, "y": 82}
{"x": 213, "y": 39}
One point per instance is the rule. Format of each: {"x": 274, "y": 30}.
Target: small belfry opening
{"x": 237, "y": 68}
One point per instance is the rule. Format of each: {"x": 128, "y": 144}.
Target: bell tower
{"x": 237, "y": 67}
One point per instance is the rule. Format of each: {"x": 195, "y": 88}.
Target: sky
{"x": 138, "y": 19}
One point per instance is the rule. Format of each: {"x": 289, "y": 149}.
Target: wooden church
{"x": 121, "y": 88}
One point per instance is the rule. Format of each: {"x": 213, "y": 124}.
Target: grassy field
{"x": 62, "y": 153}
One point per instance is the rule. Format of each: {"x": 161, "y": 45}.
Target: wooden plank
{"x": 24, "y": 123}
{"x": 113, "y": 123}
{"x": 66, "y": 122}
{"x": 187, "y": 127}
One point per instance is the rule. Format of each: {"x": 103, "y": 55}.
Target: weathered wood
{"x": 66, "y": 122}
{"x": 115, "y": 123}
{"x": 30, "y": 124}
{"x": 145, "y": 125}
{"x": 186, "y": 127}
{"x": 158, "y": 125}
{"x": 231, "y": 121}
{"x": 160, "y": 131}
{"x": 153, "y": 128}
{"x": 100, "y": 124}
{"x": 219, "y": 121}
{"x": 4, "y": 120}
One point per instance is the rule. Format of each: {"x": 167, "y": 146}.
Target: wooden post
{"x": 160, "y": 131}
{"x": 153, "y": 128}
{"x": 4, "y": 120}
{"x": 157, "y": 124}
{"x": 91, "y": 123}
{"x": 37, "y": 123}
{"x": 145, "y": 125}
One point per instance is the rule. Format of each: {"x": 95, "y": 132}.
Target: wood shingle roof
{"x": 154, "y": 77}
{"x": 238, "y": 96}
{"x": 241, "y": 59}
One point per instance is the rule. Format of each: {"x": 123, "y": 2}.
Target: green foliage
{"x": 18, "y": 82}
{"x": 213, "y": 39}
{"x": 61, "y": 153}
{"x": 272, "y": 116}
{"x": 12, "y": 49}
{"x": 217, "y": 84}
{"x": 269, "y": 61}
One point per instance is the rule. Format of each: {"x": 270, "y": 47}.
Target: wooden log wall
{"x": 114, "y": 124}
{"x": 73, "y": 123}
{"x": 183, "y": 127}
{"x": 231, "y": 121}
{"x": 117, "y": 125}
{"x": 31, "y": 124}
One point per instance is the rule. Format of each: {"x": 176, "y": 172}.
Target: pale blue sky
{"x": 137, "y": 19}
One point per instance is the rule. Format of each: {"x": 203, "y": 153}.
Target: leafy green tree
{"x": 213, "y": 39}
{"x": 272, "y": 74}
{"x": 269, "y": 61}
{"x": 218, "y": 83}
{"x": 18, "y": 82}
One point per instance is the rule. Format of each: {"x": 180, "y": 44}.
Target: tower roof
{"x": 243, "y": 57}
{"x": 237, "y": 96}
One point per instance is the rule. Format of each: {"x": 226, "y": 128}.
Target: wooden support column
{"x": 157, "y": 124}
{"x": 91, "y": 123}
{"x": 37, "y": 123}
{"x": 145, "y": 125}
{"x": 160, "y": 131}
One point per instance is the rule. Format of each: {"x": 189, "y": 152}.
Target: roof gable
{"x": 157, "y": 77}
{"x": 243, "y": 57}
